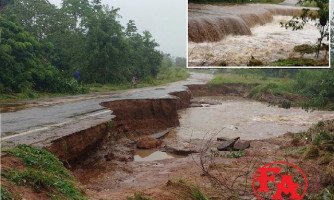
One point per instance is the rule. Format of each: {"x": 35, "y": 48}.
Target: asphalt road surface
{"x": 66, "y": 111}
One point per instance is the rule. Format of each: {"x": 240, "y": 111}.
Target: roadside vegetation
{"x": 38, "y": 170}
{"x": 46, "y": 50}
{"x": 186, "y": 190}
{"x": 317, "y": 145}
{"x": 307, "y": 88}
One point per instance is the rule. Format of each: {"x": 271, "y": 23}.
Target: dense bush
{"x": 23, "y": 62}
{"x": 317, "y": 85}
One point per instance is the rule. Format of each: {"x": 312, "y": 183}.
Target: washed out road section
{"x": 24, "y": 124}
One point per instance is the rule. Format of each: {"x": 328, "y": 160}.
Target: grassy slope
{"x": 42, "y": 171}
{"x": 277, "y": 84}
{"x": 286, "y": 88}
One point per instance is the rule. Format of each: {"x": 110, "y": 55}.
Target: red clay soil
{"x": 119, "y": 180}
{"x": 9, "y": 162}
{"x": 144, "y": 116}
{"x": 72, "y": 146}
{"x": 237, "y": 89}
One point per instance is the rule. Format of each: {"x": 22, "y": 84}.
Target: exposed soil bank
{"x": 147, "y": 116}
{"x": 71, "y": 147}
{"x": 235, "y": 89}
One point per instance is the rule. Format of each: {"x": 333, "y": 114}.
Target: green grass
{"x": 165, "y": 76}
{"x": 236, "y": 154}
{"x": 264, "y": 84}
{"x": 247, "y": 79}
{"x": 309, "y": 4}
{"x": 325, "y": 194}
{"x": 138, "y": 196}
{"x": 43, "y": 171}
{"x": 296, "y": 62}
{"x": 192, "y": 191}
{"x": 276, "y": 88}
{"x": 5, "y": 194}
{"x": 261, "y": 85}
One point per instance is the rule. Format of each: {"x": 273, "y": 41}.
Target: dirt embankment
{"x": 72, "y": 147}
{"x": 250, "y": 91}
{"x": 147, "y": 116}
{"x": 234, "y": 89}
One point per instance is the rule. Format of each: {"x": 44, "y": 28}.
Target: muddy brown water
{"x": 214, "y": 22}
{"x": 231, "y": 35}
{"x": 247, "y": 119}
{"x": 267, "y": 43}
{"x": 142, "y": 155}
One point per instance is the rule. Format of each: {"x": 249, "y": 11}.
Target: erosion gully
{"x": 108, "y": 164}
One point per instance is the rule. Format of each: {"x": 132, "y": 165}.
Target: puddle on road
{"x": 245, "y": 118}
{"x": 142, "y": 155}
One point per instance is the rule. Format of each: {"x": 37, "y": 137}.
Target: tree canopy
{"x": 40, "y": 41}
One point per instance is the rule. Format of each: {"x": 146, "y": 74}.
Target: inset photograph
{"x": 258, "y": 33}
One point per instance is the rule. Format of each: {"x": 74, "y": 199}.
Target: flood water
{"x": 244, "y": 118}
{"x": 267, "y": 43}
{"x": 142, "y": 155}
{"x": 233, "y": 34}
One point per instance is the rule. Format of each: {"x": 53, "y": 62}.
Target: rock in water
{"x": 241, "y": 145}
{"x": 148, "y": 143}
{"x": 225, "y": 138}
{"x": 227, "y": 145}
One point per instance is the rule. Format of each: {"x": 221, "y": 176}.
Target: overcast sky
{"x": 331, "y": 4}
{"x": 165, "y": 19}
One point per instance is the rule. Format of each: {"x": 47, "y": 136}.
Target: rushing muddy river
{"x": 244, "y": 118}
{"x": 233, "y": 34}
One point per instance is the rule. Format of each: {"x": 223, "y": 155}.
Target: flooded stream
{"x": 247, "y": 119}
{"x": 267, "y": 43}
{"x": 231, "y": 35}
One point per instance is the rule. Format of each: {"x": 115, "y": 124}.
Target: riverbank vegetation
{"x": 67, "y": 49}
{"x": 314, "y": 87}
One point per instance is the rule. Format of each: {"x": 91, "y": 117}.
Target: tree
{"x": 131, "y": 29}
{"x": 180, "y": 62}
{"x": 87, "y": 36}
{"x": 23, "y": 63}
{"x": 322, "y": 17}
